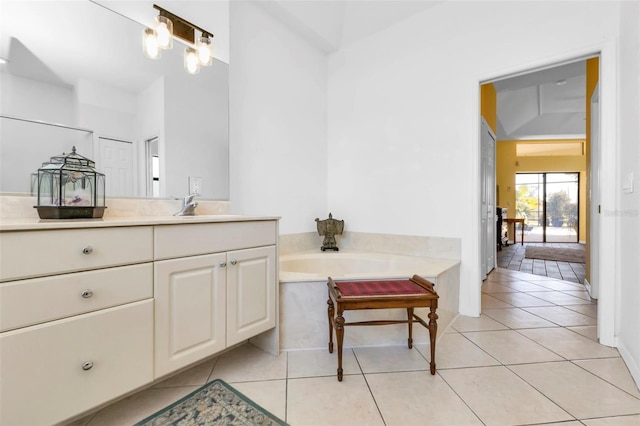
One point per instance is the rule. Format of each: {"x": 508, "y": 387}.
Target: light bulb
{"x": 150, "y": 44}
{"x": 191, "y": 63}
{"x": 205, "y": 56}
{"x": 164, "y": 32}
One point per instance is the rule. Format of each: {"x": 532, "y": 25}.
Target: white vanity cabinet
{"x": 76, "y": 315}
{"x": 217, "y": 289}
{"x": 91, "y": 311}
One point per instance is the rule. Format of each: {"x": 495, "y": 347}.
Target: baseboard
{"x": 631, "y": 363}
{"x": 582, "y": 242}
{"x": 587, "y": 285}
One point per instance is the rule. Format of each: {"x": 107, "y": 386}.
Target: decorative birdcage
{"x": 69, "y": 187}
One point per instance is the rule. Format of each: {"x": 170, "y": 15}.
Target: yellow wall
{"x": 508, "y": 164}
{"x": 488, "y": 105}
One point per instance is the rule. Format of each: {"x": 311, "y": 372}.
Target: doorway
{"x": 549, "y": 204}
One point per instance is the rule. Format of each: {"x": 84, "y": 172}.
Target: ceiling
{"x": 548, "y": 103}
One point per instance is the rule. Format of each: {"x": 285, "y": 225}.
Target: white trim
{"x": 633, "y": 367}
{"x": 609, "y": 274}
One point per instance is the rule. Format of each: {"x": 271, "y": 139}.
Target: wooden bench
{"x": 415, "y": 292}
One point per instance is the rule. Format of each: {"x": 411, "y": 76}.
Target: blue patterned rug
{"x": 215, "y": 403}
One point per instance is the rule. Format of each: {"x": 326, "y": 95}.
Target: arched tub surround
{"x": 304, "y": 269}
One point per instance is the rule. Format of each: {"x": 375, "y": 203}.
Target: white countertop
{"x": 29, "y": 223}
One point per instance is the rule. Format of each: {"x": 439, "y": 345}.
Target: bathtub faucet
{"x": 188, "y": 206}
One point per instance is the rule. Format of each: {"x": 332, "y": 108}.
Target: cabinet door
{"x": 53, "y": 371}
{"x": 190, "y": 310}
{"x": 251, "y": 293}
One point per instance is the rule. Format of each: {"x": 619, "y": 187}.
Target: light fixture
{"x": 198, "y": 53}
{"x": 205, "y": 55}
{"x": 191, "y": 62}
{"x": 150, "y": 44}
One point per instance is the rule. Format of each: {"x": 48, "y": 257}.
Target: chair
{"x": 415, "y": 292}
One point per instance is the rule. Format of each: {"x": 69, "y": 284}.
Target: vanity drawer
{"x": 38, "y": 300}
{"x": 35, "y": 253}
{"x": 172, "y": 241}
{"x": 45, "y": 378}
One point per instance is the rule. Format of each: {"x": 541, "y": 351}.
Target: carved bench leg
{"x": 410, "y": 323}
{"x": 330, "y": 313}
{"x": 433, "y": 331}
{"x": 340, "y": 339}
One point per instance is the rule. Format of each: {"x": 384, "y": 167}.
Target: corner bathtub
{"x": 303, "y": 296}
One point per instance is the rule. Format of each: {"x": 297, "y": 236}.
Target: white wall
{"x": 628, "y": 319}
{"x": 278, "y": 121}
{"x": 404, "y": 119}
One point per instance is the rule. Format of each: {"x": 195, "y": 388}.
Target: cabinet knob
{"x": 233, "y": 262}
{"x": 87, "y": 250}
{"x": 87, "y": 293}
{"x": 87, "y": 365}
{"x": 223, "y": 264}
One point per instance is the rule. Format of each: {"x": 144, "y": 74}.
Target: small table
{"x": 514, "y": 221}
{"x": 415, "y": 292}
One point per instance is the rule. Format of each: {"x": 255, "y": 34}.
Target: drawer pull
{"x": 233, "y": 262}
{"x": 223, "y": 264}
{"x": 86, "y": 366}
{"x": 87, "y": 250}
{"x": 87, "y": 293}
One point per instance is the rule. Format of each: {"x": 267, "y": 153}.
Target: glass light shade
{"x": 191, "y": 63}
{"x": 164, "y": 32}
{"x": 150, "y": 44}
{"x": 205, "y": 52}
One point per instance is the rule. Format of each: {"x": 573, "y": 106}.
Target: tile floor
{"x": 512, "y": 257}
{"x": 531, "y": 358}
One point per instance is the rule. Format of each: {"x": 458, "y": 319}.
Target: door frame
{"x": 610, "y": 146}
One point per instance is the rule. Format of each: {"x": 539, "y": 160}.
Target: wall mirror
{"x": 76, "y": 76}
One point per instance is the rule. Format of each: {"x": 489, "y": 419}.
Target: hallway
{"x": 512, "y": 257}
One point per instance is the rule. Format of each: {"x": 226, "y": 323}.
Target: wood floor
{"x": 512, "y": 257}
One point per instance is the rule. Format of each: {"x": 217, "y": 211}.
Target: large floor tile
{"x": 139, "y": 406}
{"x": 321, "y": 401}
{"x": 509, "y": 347}
{"x": 588, "y": 310}
{"x": 588, "y": 331}
{"x": 418, "y": 399}
{"x": 562, "y": 316}
{"x": 614, "y": 371}
{"x": 577, "y": 391}
{"x": 488, "y": 301}
{"x": 248, "y": 363}
{"x": 499, "y": 397}
{"x": 390, "y": 358}
{"x": 555, "y": 284}
{"x": 523, "y": 299}
{"x": 456, "y": 351}
{"x": 270, "y": 395}
{"x": 559, "y": 298}
{"x": 481, "y": 323}
{"x": 491, "y": 287}
{"x": 194, "y": 376}
{"x": 520, "y": 285}
{"x": 315, "y": 363}
{"x": 569, "y": 344}
{"x": 517, "y": 318}
{"x": 614, "y": 421}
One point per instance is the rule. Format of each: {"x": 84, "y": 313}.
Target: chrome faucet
{"x": 188, "y": 206}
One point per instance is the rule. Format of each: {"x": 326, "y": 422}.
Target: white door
{"x": 488, "y": 197}
{"x": 594, "y": 186}
{"x": 116, "y": 162}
